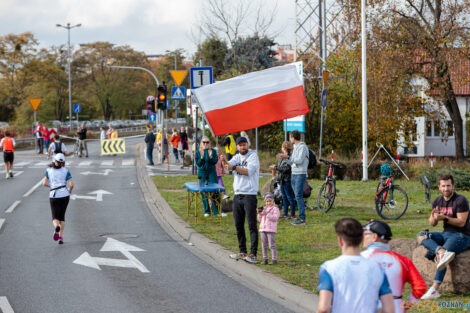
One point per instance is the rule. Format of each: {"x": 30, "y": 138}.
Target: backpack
{"x": 312, "y": 159}
{"x": 58, "y": 147}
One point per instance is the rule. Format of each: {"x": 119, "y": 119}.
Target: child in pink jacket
{"x": 268, "y": 217}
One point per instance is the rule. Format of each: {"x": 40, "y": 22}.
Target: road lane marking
{"x": 84, "y": 163}
{"x": 13, "y": 206}
{"x": 99, "y": 195}
{"x": 15, "y": 173}
{"x": 21, "y": 164}
{"x": 105, "y": 173}
{"x": 41, "y": 164}
{"x": 2, "y": 220}
{"x": 127, "y": 162}
{"x": 32, "y": 189}
{"x": 107, "y": 163}
{"x": 5, "y": 306}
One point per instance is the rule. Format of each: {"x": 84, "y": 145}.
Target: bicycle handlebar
{"x": 338, "y": 165}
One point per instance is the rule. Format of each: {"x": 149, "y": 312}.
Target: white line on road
{"x": 42, "y": 164}
{"x": 21, "y": 164}
{"x": 5, "y": 306}
{"x": 15, "y": 173}
{"x": 32, "y": 189}
{"x": 127, "y": 162}
{"x": 107, "y": 163}
{"x": 13, "y": 206}
{"x": 84, "y": 163}
{"x": 2, "y": 220}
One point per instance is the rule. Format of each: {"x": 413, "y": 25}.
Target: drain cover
{"x": 119, "y": 236}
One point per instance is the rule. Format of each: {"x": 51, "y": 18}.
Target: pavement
{"x": 178, "y": 228}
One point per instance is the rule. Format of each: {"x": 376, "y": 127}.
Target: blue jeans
{"x": 298, "y": 181}
{"x": 451, "y": 241}
{"x": 150, "y": 155}
{"x": 287, "y": 197}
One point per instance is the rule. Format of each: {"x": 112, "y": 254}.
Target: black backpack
{"x": 312, "y": 159}
{"x": 58, "y": 147}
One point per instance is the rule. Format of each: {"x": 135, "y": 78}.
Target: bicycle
{"x": 427, "y": 187}
{"x": 327, "y": 194}
{"x": 391, "y": 201}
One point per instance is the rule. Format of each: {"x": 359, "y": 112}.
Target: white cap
{"x": 59, "y": 157}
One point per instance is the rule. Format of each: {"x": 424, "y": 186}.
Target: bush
{"x": 461, "y": 177}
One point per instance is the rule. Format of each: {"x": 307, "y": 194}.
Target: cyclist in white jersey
{"x": 351, "y": 283}
{"x": 56, "y": 178}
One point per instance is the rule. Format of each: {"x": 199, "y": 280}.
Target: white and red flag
{"x": 253, "y": 99}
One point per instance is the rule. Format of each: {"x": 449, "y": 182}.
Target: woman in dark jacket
{"x": 206, "y": 159}
{"x": 284, "y": 178}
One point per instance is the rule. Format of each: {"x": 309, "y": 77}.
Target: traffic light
{"x": 161, "y": 97}
{"x": 150, "y": 104}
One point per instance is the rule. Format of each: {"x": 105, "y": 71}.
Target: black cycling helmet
{"x": 380, "y": 228}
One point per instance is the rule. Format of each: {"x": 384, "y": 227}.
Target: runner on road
{"x": 56, "y": 147}
{"x": 8, "y": 144}
{"x": 56, "y": 178}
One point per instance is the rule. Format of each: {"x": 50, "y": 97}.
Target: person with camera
{"x": 57, "y": 178}
{"x": 245, "y": 166}
{"x": 268, "y": 217}
{"x": 284, "y": 179}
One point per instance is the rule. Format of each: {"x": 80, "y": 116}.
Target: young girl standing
{"x": 268, "y": 217}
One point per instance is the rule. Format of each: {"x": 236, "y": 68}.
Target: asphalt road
{"x": 116, "y": 257}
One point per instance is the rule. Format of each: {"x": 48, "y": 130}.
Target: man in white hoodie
{"x": 245, "y": 167}
{"x": 299, "y": 163}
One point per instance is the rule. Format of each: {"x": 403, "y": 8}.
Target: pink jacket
{"x": 268, "y": 222}
{"x": 219, "y": 167}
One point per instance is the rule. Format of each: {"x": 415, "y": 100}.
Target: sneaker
{"x": 432, "y": 293}
{"x": 238, "y": 256}
{"x": 250, "y": 258}
{"x": 264, "y": 262}
{"x": 298, "y": 222}
{"x": 285, "y": 216}
{"x": 7, "y": 175}
{"x": 11, "y": 173}
{"x": 56, "y": 233}
{"x": 206, "y": 215}
{"x": 61, "y": 241}
{"x": 444, "y": 259}
{"x": 226, "y": 197}
{"x": 273, "y": 262}
{"x": 290, "y": 216}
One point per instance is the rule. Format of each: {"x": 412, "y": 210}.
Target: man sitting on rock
{"x": 452, "y": 209}
{"x": 398, "y": 268}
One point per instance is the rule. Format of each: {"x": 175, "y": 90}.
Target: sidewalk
{"x": 178, "y": 228}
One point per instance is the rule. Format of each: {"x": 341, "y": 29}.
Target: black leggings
{"x": 58, "y": 207}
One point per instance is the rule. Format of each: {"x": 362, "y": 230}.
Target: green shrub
{"x": 461, "y": 177}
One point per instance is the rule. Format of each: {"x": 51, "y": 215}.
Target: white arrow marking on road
{"x": 99, "y": 195}
{"x": 13, "y": 206}
{"x": 105, "y": 173}
{"x": 5, "y": 306}
{"x": 113, "y": 245}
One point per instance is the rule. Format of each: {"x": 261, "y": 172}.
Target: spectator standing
{"x": 352, "y": 283}
{"x": 39, "y": 131}
{"x": 398, "y": 268}
{"x": 47, "y": 138}
{"x": 268, "y": 217}
{"x": 244, "y": 134}
{"x": 8, "y": 144}
{"x": 102, "y": 133}
{"x": 230, "y": 146}
{"x": 175, "y": 139}
{"x": 109, "y": 131}
{"x": 82, "y": 141}
{"x": 245, "y": 165}
{"x": 284, "y": 179}
{"x": 165, "y": 146}
{"x": 206, "y": 159}
{"x": 150, "y": 141}
{"x": 452, "y": 209}
{"x": 220, "y": 169}
{"x": 114, "y": 134}
{"x": 299, "y": 164}
{"x": 184, "y": 142}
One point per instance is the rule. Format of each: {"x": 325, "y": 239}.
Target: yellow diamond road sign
{"x": 178, "y": 76}
{"x": 113, "y": 146}
{"x": 35, "y": 103}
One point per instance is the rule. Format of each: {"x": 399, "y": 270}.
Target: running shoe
{"x": 431, "y": 294}
{"x": 56, "y": 233}
{"x": 206, "y": 215}
{"x": 298, "y": 222}
{"x": 61, "y": 241}
{"x": 250, "y": 259}
{"x": 444, "y": 259}
{"x": 238, "y": 256}
{"x": 11, "y": 173}
{"x": 7, "y": 175}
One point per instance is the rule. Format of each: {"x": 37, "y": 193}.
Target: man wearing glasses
{"x": 245, "y": 166}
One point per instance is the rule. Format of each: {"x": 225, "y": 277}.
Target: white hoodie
{"x": 246, "y": 185}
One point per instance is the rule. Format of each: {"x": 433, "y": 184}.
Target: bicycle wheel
{"x": 427, "y": 191}
{"x": 326, "y": 197}
{"x": 391, "y": 204}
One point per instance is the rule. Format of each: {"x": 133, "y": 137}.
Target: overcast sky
{"x": 152, "y": 26}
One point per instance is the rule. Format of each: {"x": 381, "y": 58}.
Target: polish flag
{"x": 252, "y": 100}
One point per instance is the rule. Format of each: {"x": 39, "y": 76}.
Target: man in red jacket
{"x": 398, "y": 268}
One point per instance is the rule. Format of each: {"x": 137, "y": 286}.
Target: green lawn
{"x": 302, "y": 249}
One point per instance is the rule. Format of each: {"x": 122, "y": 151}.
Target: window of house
{"x": 450, "y": 129}
{"x": 428, "y": 128}
{"x": 437, "y": 129}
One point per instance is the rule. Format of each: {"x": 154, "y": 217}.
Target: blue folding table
{"x": 195, "y": 192}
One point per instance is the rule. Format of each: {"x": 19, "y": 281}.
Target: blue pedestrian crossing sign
{"x": 177, "y": 93}
{"x": 152, "y": 117}
{"x": 77, "y": 108}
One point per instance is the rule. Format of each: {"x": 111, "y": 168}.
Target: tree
{"x": 432, "y": 34}
{"x": 212, "y": 52}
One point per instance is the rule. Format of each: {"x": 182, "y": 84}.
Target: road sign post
{"x": 35, "y": 102}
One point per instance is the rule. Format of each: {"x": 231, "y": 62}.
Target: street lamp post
{"x": 68, "y": 28}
